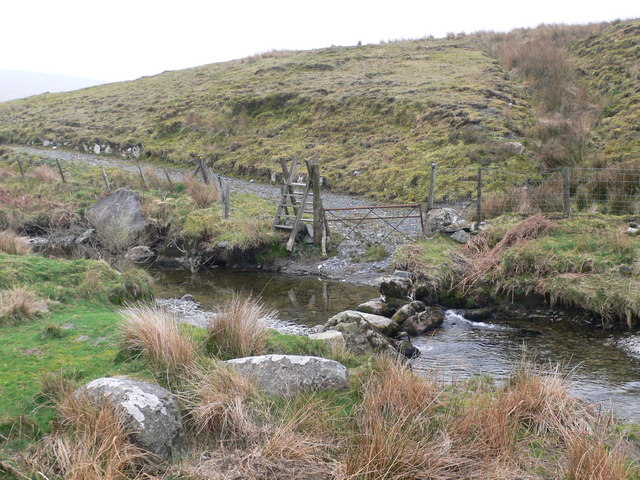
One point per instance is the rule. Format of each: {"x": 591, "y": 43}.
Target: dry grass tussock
{"x": 392, "y": 438}
{"x": 13, "y": 244}
{"x": 90, "y": 443}
{"x": 155, "y": 333}
{"x": 153, "y": 179}
{"x": 589, "y": 458}
{"x": 238, "y": 329}
{"x": 481, "y": 258}
{"x": 44, "y": 174}
{"x": 215, "y": 397}
{"x": 202, "y": 194}
{"x": 19, "y": 304}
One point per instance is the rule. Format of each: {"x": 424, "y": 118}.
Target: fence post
{"x": 479, "y": 207}
{"x": 566, "y": 193}
{"x": 60, "y": 170}
{"x": 106, "y": 179}
{"x": 166, "y": 174}
{"x": 21, "y": 169}
{"x": 317, "y": 204}
{"x": 205, "y": 177}
{"x": 432, "y": 185}
{"x": 227, "y": 200}
{"x": 144, "y": 183}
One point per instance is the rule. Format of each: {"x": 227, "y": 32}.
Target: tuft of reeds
{"x": 90, "y": 443}
{"x": 202, "y": 194}
{"x": 154, "y": 332}
{"x": 13, "y": 244}
{"x": 44, "y": 174}
{"x": 238, "y": 329}
{"x": 19, "y": 304}
{"x": 215, "y": 397}
{"x": 589, "y": 458}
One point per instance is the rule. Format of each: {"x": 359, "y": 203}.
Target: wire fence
{"x": 485, "y": 193}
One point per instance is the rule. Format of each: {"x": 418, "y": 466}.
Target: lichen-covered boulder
{"x": 292, "y": 374}
{"x": 360, "y": 336}
{"x": 375, "y": 306}
{"x": 331, "y": 337}
{"x": 408, "y": 310}
{"x": 151, "y": 413}
{"x": 118, "y": 218}
{"x": 424, "y": 321}
{"x": 438, "y": 219}
{"x": 395, "y": 287}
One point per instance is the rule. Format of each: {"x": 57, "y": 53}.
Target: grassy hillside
{"x": 610, "y": 64}
{"x": 390, "y": 110}
{"x": 376, "y": 115}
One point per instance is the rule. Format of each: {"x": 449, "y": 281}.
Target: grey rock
{"x": 437, "y": 219}
{"x": 140, "y": 254}
{"x": 422, "y": 322}
{"x": 425, "y": 293}
{"x": 376, "y": 306}
{"x": 633, "y": 230}
{"x": 85, "y": 236}
{"x": 403, "y": 274}
{"x": 406, "y": 348}
{"x": 332, "y": 337}
{"x": 151, "y": 413}
{"x": 480, "y": 314}
{"x": 384, "y": 325}
{"x": 118, "y": 218}
{"x": 318, "y": 329}
{"x": 292, "y": 374}
{"x": 38, "y": 244}
{"x": 360, "y": 336}
{"x": 395, "y": 287}
{"x": 408, "y": 310}
{"x": 460, "y": 236}
{"x": 626, "y": 270}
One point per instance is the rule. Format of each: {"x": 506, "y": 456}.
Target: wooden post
{"x": 479, "y": 207}
{"x": 205, "y": 177}
{"x": 227, "y": 200}
{"x": 60, "y": 170}
{"x": 566, "y": 193}
{"x": 144, "y": 183}
{"x": 166, "y": 174}
{"x": 106, "y": 179}
{"x": 432, "y": 185}
{"x": 317, "y": 204}
{"x": 21, "y": 169}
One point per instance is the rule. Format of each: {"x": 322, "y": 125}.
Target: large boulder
{"x": 441, "y": 219}
{"x": 408, "y": 310}
{"x": 395, "y": 287}
{"x": 292, "y": 374}
{"x": 330, "y": 337}
{"x": 151, "y": 413}
{"x": 424, "y": 321}
{"x": 118, "y": 218}
{"x": 140, "y": 254}
{"x": 375, "y": 306}
{"x": 360, "y": 336}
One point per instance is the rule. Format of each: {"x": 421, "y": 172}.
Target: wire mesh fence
{"x": 485, "y": 193}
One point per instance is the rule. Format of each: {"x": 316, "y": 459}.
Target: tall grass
{"x": 13, "y": 244}
{"x": 19, "y": 304}
{"x": 155, "y": 333}
{"x": 90, "y": 443}
{"x": 238, "y": 329}
{"x": 44, "y": 174}
{"x": 202, "y": 194}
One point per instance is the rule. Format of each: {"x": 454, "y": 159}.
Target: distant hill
{"x": 16, "y": 84}
{"x": 377, "y": 116}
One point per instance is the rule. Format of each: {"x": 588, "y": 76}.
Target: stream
{"x": 603, "y": 367}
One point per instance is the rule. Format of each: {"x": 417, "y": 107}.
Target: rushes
{"x": 19, "y": 304}
{"x": 202, "y": 194}
{"x": 13, "y": 244}
{"x": 155, "y": 333}
{"x": 238, "y": 329}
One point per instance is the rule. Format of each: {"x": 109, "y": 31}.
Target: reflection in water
{"x": 601, "y": 370}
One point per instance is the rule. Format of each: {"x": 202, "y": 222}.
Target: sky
{"x": 113, "y": 40}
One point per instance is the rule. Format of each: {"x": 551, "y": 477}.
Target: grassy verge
{"x": 587, "y": 262}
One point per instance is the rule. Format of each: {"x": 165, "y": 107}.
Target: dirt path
{"x": 341, "y": 266}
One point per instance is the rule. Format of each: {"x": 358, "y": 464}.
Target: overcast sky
{"x": 113, "y": 40}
